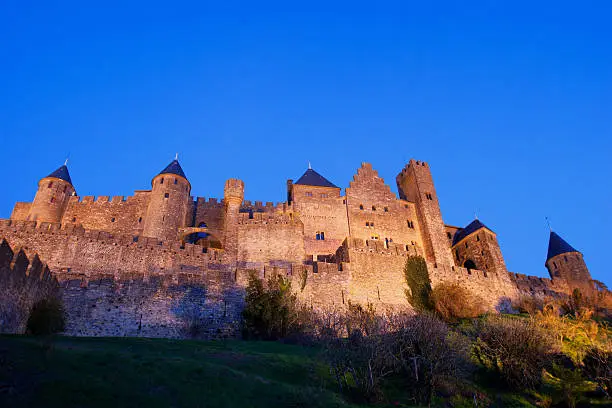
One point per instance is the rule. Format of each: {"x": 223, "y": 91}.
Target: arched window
{"x": 469, "y": 264}
{"x": 361, "y": 206}
{"x": 202, "y": 225}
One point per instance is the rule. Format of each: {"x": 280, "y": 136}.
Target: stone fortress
{"x": 125, "y": 265}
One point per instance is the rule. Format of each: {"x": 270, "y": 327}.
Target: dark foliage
{"x": 46, "y": 317}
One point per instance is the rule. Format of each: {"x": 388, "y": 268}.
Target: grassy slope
{"x": 119, "y": 372}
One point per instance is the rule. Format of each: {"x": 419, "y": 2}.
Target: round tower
{"x": 168, "y": 203}
{"x": 567, "y": 264}
{"x": 233, "y": 194}
{"x": 52, "y": 197}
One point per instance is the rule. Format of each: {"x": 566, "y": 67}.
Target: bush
{"x": 46, "y": 317}
{"x": 271, "y": 311}
{"x": 452, "y": 301}
{"x": 529, "y": 304}
{"x": 419, "y": 286}
{"x": 517, "y": 350}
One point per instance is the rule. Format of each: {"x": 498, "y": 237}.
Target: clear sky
{"x": 509, "y": 101}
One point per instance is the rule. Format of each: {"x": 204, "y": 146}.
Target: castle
{"x": 334, "y": 246}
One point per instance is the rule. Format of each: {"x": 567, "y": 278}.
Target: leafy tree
{"x": 417, "y": 278}
{"x": 271, "y": 310}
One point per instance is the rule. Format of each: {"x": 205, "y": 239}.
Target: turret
{"x": 415, "y": 184}
{"x": 168, "y": 203}
{"x": 52, "y": 197}
{"x": 233, "y": 196}
{"x": 476, "y": 247}
{"x": 567, "y": 264}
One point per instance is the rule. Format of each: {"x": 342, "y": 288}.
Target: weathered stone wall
{"x": 169, "y": 203}
{"x": 50, "y": 200}
{"x": 117, "y": 215}
{"x": 21, "y": 211}
{"x": 482, "y": 248}
{"x": 23, "y": 282}
{"x": 570, "y": 268}
{"x": 375, "y": 213}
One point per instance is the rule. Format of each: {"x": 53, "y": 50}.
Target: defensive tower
{"x": 476, "y": 247}
{"x": 415, "y": 184}
{"x": 233, "y": 195}
{"x": 52, "y": 197}
{"x": 168, "y": 203}
{"x": 567, "y": 264}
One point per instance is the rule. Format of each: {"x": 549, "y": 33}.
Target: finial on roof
{"x": 475, "y": 215}
{"x": 309, "y": 166}
{"x": 548, "y": 222}
{"x": 176, "y": 156}
{"x": 66, "y": 162}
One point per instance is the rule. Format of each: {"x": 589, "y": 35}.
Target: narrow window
{"x": 308, "y": 194}
{"x": 324, "y": 195}
{"x": 318, "y": 236}
{"x": 449, "y": 235}
{"x": 175, "y": 181}
{"x": 343, "y": 201}
{"x": 555, "y": 264}
{"x": 113, "y": 219}
{"x": 386, "y": 209}
{"x": 73, "y": 219}
{"x": 50, "y": 184}
{"x": 373, "y": 208}
{"x": 161, "y": 181}
{"x": 166, "y": 195}
{"x": 477, "y": 238}
{"x": 371, "y": 224}
{"x": 565, "y": 257}
{"x": 410, "y": 224}
{"x": 139, "y": 219}
{"x": 457, "y": 253}
{"x": 466, "y": 244}
{"x": 65, "y": 188}
{"x": 361, "y": 206}
{"x": 405, "y": 205}
{"x": 322, "y": 236}
{"x": 367, "y": 224}
{"x": 429, "y": 196}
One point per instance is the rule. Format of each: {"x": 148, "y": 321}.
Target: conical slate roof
{"x": 472, "y": 227}
{"x": 174, "y": 168}
{"x": 62, "y": 174}
{"x": 312, "y": 178}
{"x": 558, "y": 246}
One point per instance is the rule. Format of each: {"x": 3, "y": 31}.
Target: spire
{"x": 61, "y": 173}
{"x": 558, "y": 246}
{"x": 312, "y": 178}
{"x": 174, "y": 168}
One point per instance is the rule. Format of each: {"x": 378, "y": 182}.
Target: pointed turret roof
{"x": 62, "y": 174}
{"x": 174, "y": 168}
{"x": 312, "y": 178}
{"x": 558, "y": 246}
{"x": 471, "y": 228}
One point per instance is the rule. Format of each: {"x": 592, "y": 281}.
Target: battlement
{"x": 203, "y": 202}
{"x": 379, "y": 247}
{"x": 266, "y": 218}
{"x": 78, "y": 232}
{"x": 117, "y": 200}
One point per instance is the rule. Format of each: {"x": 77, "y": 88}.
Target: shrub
{"x": 597, "y": 367}
{"x": 362, "y": 319}
{"x": 517, "y": 350}
{"x": 419, "y": 286}
{"x": 529, "y": 304}
{"x": 452, "y": 301}
{"x": 271, "y": 311}
{"x": 46, "y": 317}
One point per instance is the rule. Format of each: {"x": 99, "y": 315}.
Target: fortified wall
{"x": 141, "y": 265}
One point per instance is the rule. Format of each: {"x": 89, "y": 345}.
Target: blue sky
{"x": 509, "y": 102}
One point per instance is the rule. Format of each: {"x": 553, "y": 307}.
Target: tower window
{"x": 477, "y": 238}
{"x": 373, "y": 208}
{"x": 308, "y": 194}
{"x": 166, "y": 195}
{"x": 405, "y": 205}
{"x": 429, "y": 196}
{"x": 466, "y": 244}
{"x": 113, "y": 219}
{"x": 410, "y": 224}
{"x": 323, "y": 195}
{"x": 565, "y": 257}
{"x": 367, "y": 224}
{"x": 361, "y": 206}
{"x": 386, "y": 209}
{"x": 449, "y": 235}
{"x": 175, "y": 181}
{"x": 139, "y": 219}
{"x": 161, "y": 181}
{"x": 50, "y": 184}
{"x": 555, "y": 264}
{"x": 65, "y": 188}
{"x": 73, "y": 219}
{"x": 343, "y": 201}
{"x": 320, "y": 236}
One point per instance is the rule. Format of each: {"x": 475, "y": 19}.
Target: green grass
{"x": 132, "y": 372}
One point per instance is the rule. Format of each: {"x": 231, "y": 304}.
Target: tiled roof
{"x": 557, "y": 246}
{"x": 472, "y": 227}
{"x": 312, "y": 178}
{"x": 173, "y": 168}
{"x": 62, "y": 174}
